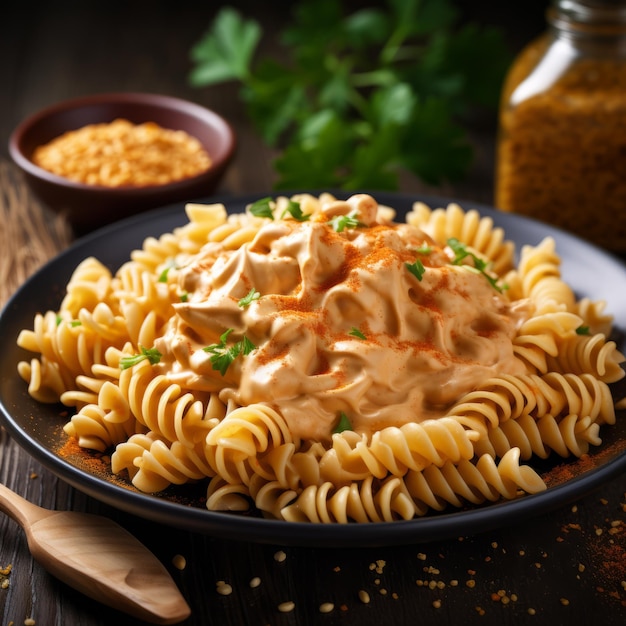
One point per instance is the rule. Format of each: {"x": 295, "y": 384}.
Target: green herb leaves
{"x": 355, "y": 332}
{"x": 355, "y": 98}
{"x": 226, "y": 51}
{"x": 248, "y": 299}
{"x": 222, "y": 355}
{"x": 461, "y": 253}
{"x": 295, "y": 210}
{"x": 417, "y": 269}
{"x": 343, "y": 424}
{"x": 263, "y": 208}
{"x": 340, "y": 222}
{"x": 152, "y": 354}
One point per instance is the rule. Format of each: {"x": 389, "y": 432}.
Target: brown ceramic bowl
{"x": 91, "y": 206}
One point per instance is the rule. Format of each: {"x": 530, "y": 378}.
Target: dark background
{"x": 58, "y": 50}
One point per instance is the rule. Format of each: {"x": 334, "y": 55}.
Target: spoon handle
{"x": 19, "y": 509}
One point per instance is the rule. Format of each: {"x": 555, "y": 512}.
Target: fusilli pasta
{"x": 314, "y": 359}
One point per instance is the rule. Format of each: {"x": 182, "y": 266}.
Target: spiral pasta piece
{"x": 165, "y": 408}
{"x": 89, "y": 285}
{"x": 236, "y": 231}
{"x": 249, "y": 430}
{"x": 466, "y": 481}
{"x": 359, "y": 502}
{"x": 588, "y": 354}
{"x": 506, "y": 398}
{"x": 138, "y": 287}
{"x": 566, "y": 436}
{"x": 44, "y": 378}
{"x": 469, "y": 227}
{"x": 539, "y": 278}
{"x": 163, "y": 465}
{"x": 203, "y": 219}
{"x": 270, "y": 497}
{"x": 154, "y": 464}
{"x": 594, "y": 316}
{"x": 395, "y": 450}
{"x": 155, "y": 252}
{"x": 73, "y": 348}
{"x": 496, "y": 401}
{"x": 224, "y": 496}
{"x": 541, "y": 337}
{"x": 93, "y": 431}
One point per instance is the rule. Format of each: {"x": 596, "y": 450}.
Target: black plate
{"x": 38, "y": 428}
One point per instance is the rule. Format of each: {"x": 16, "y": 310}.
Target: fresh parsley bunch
{"x": 358, "y": 97}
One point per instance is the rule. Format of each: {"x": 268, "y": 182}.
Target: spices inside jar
{"x": 562, "y": 141}
{"x": 121, "y": 153}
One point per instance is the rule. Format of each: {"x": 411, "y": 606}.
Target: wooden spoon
{"x": 99, "y": 558}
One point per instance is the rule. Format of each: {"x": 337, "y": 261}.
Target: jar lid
{"x": 592, "y": 12}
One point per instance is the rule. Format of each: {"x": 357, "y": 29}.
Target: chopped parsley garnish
{"x": 247, "y": 300}
{"x": 262, "y": 208}
{"x": 424, "y": 249}
{"x": 163, "y": 275}
{"x": 222, "y": 356}
{"x": 295, "y": 210}
{"x": 355, "y": 332}
{"x": 417, "y": 269}
{"x": 152, "y": 354}
{"x": 583, "y": 330}
{"x": 343, "y": 424}
{"x": 72, "y": 323}
{"x": 461, "y": 253}
{"x": 184, "y": 297}
{"x": 341, "y": 222}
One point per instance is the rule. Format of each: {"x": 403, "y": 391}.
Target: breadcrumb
{"x": 286, "y": 607}
{"x": 364, "y": 596}
{"x": 179, "y": 562}
{"x": 223, "y": 588}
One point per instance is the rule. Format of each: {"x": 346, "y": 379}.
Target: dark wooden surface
{"x": 566, "y": 567}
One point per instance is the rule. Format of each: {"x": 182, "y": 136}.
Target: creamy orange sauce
{"x": 426, "y": 342}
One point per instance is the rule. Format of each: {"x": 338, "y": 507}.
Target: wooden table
{"x": 565, "y": 567}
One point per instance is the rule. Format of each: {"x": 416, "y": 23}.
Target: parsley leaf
{"x": 479, "y": 265}
{"x": 341, "y": 222}
{"x": 152, "y": 354}
{"x": 72, "y": 323}
{"x": 424, "y": 249}
{"x": 583, "y": 330}
{"x": 222, "y": 356}
{"x": 295, "y": 210}
{"x": 226, "y": 51}
{"x": 262, "y": 208}
{"x": 417, "y": 269}
{"x": 248, "y": 299}
{"x": 246, "y": 346}
{"x": 355, "y": 332}
{"x": 164, "y": 274}
{"x": 343, "y": 424}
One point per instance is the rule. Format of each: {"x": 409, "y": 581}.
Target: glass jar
{"x": 561, "y": 154}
